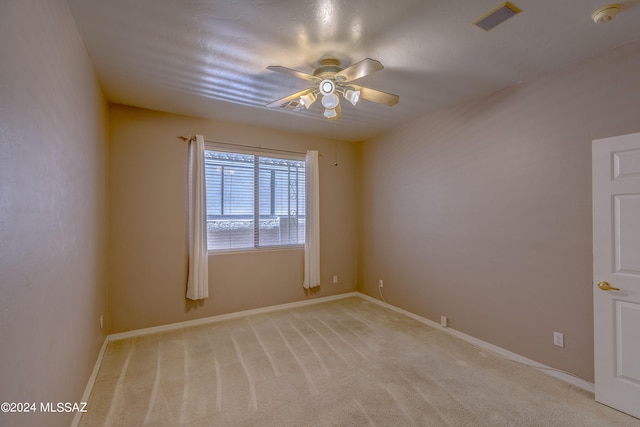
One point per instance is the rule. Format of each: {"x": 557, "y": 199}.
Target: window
{"x": 254, "y": 201}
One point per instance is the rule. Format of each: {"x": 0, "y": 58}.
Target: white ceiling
{"x": 208, "y": 58}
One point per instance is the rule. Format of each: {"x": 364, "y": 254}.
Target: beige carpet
{"x": 343, "y": 363}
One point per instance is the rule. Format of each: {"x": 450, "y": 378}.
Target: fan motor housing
{"x": 328, "y": 68}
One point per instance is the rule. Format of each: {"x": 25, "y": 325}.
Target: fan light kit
{"x": 329, "y": 80}
{"x": 605, "y": 14}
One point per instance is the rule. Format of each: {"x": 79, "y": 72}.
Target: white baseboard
{"x": 229, "y": 316}
{"x": 91, "y": 382}
{"x": 564, "y": 376}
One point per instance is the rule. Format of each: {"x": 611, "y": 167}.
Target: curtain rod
{"x": 189, "y": 138}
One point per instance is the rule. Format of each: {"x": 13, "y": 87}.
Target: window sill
{"x": 255, "y": 250}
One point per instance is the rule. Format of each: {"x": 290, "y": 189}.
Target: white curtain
{"x": 198, "y": 281}
{"x": 312, "y": 208}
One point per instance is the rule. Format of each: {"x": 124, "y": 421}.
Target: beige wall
{"x": 53, "y": 140}
{"x": 147, "y": 217}
{"x": 482, "y": 213}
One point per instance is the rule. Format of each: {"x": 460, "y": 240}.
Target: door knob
{"x": 605, "y": 286}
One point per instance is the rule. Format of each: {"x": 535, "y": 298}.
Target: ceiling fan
{"x": 329, "y": 80}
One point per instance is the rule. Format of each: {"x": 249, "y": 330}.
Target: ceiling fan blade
{"x": 290, "y": 98}
{"x": 377, "y": 96}
{"x": 358, "y": 70}
{"x": 292, "y": 72}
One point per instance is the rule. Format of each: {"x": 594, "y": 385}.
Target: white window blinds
{"x": 254, "y": 201}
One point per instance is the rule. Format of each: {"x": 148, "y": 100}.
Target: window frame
{"x": 258, "y": 152}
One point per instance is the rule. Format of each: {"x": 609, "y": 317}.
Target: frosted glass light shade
{"x": 308, "y": 99}
{"x": 330, "y": 101}
{"x": 352, "y": 96}
{"x": 330, "y": 113}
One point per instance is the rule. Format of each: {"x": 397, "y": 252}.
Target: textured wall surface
{"x": 53, "y": 132}
{"x": 148, "y": 223}
{"x": 482, "y": 213}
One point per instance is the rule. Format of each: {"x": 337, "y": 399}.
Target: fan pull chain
{"x": 335, "y": 140}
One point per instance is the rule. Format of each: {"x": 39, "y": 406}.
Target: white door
{"x": 616, "y": 271}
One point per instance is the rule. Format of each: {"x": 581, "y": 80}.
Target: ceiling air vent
{"x": 496, "y": 16}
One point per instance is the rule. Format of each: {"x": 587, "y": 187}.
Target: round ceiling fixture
{"x": 605, "y": 14}
{"x": 327, "y": 87}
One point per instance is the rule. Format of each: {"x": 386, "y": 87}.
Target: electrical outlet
{"x": 558, "y": 339}
{"x": 335, "y": 278}
{"x": 380, "y": 283}
{"x": 444, "y": 322}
